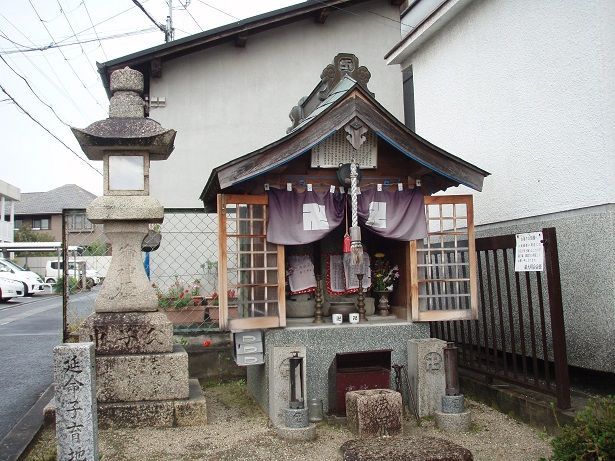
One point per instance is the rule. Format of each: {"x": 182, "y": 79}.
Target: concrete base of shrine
{"x": 322, "y": 343}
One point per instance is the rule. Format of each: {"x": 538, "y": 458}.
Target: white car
{"x": 55, "y": 269}
{"x": 10, "y": 289}
{"x": 31, "y": 282}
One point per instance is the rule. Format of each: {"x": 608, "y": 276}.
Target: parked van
{"x": 55, "y": 269}
{"x": 32, "y": 282}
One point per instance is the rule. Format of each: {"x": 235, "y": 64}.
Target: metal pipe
{"x": 450, "y": 369}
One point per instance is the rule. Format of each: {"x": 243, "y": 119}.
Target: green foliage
{"x": 95, "y": 249}
{"x": 73, "y": 285}
{"x": 591, "y": 437}
{"x": 26, "y": 234}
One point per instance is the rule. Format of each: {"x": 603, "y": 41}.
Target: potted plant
{"x": 384, "y": 280}
{"x": 213, "y": 308}
{"x": 178, "y": 305}
{"x": 197, "y": 298}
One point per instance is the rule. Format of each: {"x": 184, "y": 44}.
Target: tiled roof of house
{"x": 53, "y": 201}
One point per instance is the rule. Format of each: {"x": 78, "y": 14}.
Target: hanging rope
{"x": 356, "y": 248}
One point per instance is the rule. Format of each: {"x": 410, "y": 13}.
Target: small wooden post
{"x": 318, "y": 311}
{"x": 361, "y": 300}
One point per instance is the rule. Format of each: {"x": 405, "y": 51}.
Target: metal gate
{"x": 519, "y": 336}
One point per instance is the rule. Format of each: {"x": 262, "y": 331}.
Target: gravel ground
{"x": 238, "y": 431}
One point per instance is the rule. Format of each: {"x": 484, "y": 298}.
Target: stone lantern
{"x": 142, "y": 377}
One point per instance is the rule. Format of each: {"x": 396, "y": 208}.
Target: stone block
{"x": 374, "y": 412}
{"x": 76, "y": 413}
{"x": 128, "y": 333}
{"x": 279, "y": 381}
{"x": 192, "y": 412}
{"x": 126, "y": 208}
{"x": 163, "y": 413}
{"x": 453, "y": 403}
{"x": 453, "y": 422}
{"x": 120, "y": 415}
{"x": 131, "y": 378}
{"x": 126, "y": 104}
{"x": 426, "y": 373}
{"x": 422, "y": 448}
{"x": 126, "y": 79}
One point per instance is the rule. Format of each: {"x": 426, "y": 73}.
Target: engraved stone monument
{"x": 75, "y": 396}
{"x": 426, "y": 373}
{"x": 142, "y": 378}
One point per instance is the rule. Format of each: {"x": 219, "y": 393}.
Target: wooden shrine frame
{"x": 246, "y": 323}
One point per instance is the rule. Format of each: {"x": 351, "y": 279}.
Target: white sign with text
{"x": 529, "y": 254}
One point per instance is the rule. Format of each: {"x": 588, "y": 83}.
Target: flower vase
{"x": 383, "y": 302}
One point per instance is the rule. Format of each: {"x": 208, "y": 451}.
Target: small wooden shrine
{"x": 285, "y": 212}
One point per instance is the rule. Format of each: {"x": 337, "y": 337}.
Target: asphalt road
{"x": 29, "y": 329}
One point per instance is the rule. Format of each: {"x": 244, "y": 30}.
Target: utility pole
{"x": 170, "y": 32}
{"x": 167, "y": 30}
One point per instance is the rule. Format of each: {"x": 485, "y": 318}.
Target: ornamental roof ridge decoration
{"x": 344, "y": 65}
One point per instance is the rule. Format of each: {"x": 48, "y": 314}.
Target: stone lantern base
{"x": 141, "y": 377}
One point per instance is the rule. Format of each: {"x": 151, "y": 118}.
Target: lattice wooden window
{"x": 250, "y": 270}
{"x": 443, "y": 265}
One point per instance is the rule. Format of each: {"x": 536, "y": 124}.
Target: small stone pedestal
{"x": 453, "y": 417}
{"x": 297, "y": 426}
{"x": 374, "y": 412}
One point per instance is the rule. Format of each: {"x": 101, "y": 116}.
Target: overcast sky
{"x": 65, "y": 77}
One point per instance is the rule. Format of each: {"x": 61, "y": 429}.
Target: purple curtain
{"x": 397, "y": 215}
{"x": 297, "y": 218}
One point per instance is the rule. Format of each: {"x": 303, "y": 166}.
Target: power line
{"x": 218, "y": 9}
{"x": 64, "y": 56}
{"x": 75, "y": 35}
{"x": 186, "y": 9}
{"x": 34, "y": 92}
{"x": 103, "y": 21}
{"x": 95, "y": 32}
{"x": 160, "y": 26}
{"x": 357, "y": 14}
{"x": 57, "y": 45}
{"x": 47, "y": 130}
{"x": 64, "y": 91}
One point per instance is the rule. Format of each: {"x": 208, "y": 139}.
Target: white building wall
{"x": 525, "y": 90}
{"x": 8, "y": 195}
{"x": 226, "y": 101}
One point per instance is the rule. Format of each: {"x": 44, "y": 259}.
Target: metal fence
{"x": 515, "y": 338}
{"x": 183, "y": 270}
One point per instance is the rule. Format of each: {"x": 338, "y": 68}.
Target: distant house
{"x": 526, "y": 90}
{"x": 9, "y": 194}
{"x": 42, "y": 212}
